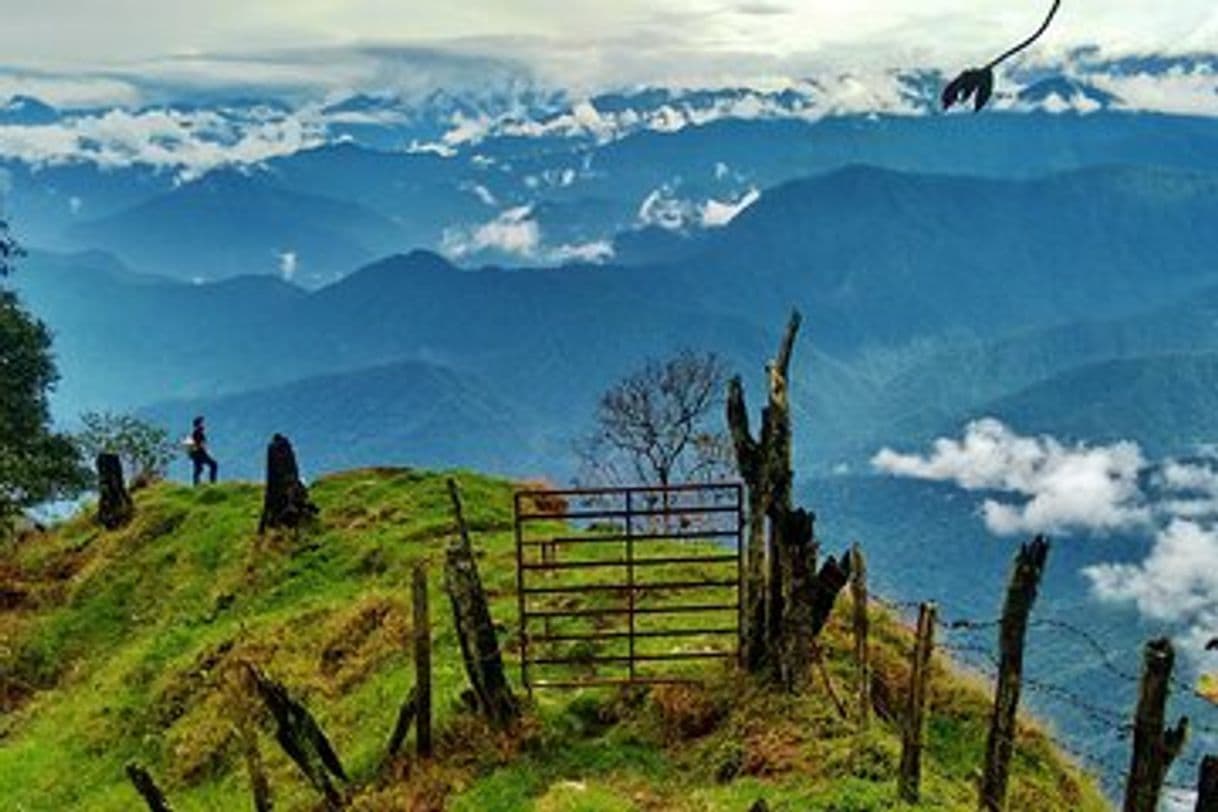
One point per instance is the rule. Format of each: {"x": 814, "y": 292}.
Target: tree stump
{"x": 114, "y": 505}
{"x": 1000, "y": 743}
{"x": 286, "y": 502}
{"x": 475, "y": 629}
{"x": 1155, "y": 747}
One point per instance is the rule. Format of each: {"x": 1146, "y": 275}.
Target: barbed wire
{"x": 1112, "y": 726}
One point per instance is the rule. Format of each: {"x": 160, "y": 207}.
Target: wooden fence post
{"x": 114, "y": 505}
{"x": 301, "y": 738}
{"x": 416, "y": 709}
{"x": 1000, "y": 743}
{"x": 862, "y": 626}
{"x": 1154, "y": 747}
{"x": 422, "y": 661}
{"x": 260, "y": 786}
{"x": 147, "y": 788}
{"x": 1207, "y": 785}
{"x": 475, "y": 629}
{"x": 915, "y": 709}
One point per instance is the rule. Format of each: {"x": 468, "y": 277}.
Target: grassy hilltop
{"x": 116, "y": 646}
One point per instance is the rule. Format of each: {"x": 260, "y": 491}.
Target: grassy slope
{"x": 115, "y": 646}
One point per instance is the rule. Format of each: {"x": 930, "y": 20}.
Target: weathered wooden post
{"x": 912, "y": 733}
{"x": 260, "y": 786}
{"x": 862, "y": 626}
{"x": 1207, "y": 785}
{"x": 1154, "y": 747}
{"x": 114, "y": 505}
{"x": 417, "y": 707}
{"x": 475, "y": 629}
{"x": 1000, "y": 743}
{"x": 147, "y": 788}
{"x": 301, "y": 737}
{"x": 242, "y": 702}
{"x": 422, "y": 661}
{"x": 286, "y": 502}
{"x": 793, "y": 533}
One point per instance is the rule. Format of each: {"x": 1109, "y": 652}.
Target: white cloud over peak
{"x": 193, "y": 141}
{"x": 513, "y": 231}
{"x": 1054, "y": 487}
{"x": 716, "y": 213}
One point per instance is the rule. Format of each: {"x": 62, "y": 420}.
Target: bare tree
{"x": 654, "y": 427}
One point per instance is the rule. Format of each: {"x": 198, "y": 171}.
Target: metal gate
{"x": 627, "y": 585}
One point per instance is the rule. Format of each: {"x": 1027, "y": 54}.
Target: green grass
{"x": 119, "y": 645}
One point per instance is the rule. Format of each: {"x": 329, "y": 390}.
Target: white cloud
{"x": 663, "y": 208}
{"x": 288, "y": 263}
{"x": 1097, "y": 489}
{"x": 1080, "y": 487}
{"x": 1191, "y": 92}
{"x": 193, "y": 141}
{"x": 512, "y": 232}
{"x": 715, "y": 213}
{"x": 595, "y": 251}
{"x": 481, "y": 192}
{"x": 1177, "y": 581}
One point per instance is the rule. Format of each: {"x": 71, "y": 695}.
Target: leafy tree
{"x": 145, "y": 449}
{"x": 36, "y": 463}
{"x": 653, "y": 426}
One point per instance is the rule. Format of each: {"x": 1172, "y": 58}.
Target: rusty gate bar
{"x": 537, "y": 577}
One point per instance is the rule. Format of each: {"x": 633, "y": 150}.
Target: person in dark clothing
{"x": 198, "y": 452}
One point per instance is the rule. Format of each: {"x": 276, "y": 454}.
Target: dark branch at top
{"x": 978, "y": 83}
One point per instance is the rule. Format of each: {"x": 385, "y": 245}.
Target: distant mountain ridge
{"x": 898, "y": 276}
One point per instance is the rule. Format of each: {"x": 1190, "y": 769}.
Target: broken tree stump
{"x": 1000, "y": 743}
{"x": 475, "y": 628}
{"x": 913, "y": 728}
{"x": 785, "y": 599}
{"x": 1207, "y": 785}
{"x": 1154, "y": 746}
{"x": 147, "y": 788}
{"x": 114, "y": 505}
{"x": 302, "y": 738}
{"x": 286, "y": 502}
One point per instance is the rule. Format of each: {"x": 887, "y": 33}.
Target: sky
{"x": 587, "y": 44}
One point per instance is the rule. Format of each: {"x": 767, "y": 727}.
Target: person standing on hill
{"x": 198, "y": 452}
